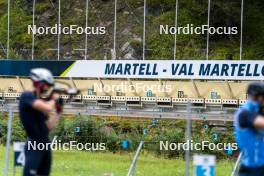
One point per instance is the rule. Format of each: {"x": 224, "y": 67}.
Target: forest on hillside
{"x": 130, "y": 29}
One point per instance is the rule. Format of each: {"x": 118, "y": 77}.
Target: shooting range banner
{"x": 164, "y": 69}
{"x": 148, "y": 69}
{"x": 23, "y": 67}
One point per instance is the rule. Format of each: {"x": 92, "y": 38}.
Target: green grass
{"x": 78, "y": 163}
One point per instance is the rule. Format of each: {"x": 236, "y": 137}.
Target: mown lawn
{"x": 78, "y": 163}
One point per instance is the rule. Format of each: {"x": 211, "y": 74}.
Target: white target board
{"x": 19, "y": 155}
{"x": 204, "y": 165}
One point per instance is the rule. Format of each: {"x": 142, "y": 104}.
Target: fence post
{"x": 133, "y": 164}
{"x": 235, "y": 169}
{"x": 8, "y": 139}
{"x": 188, "y": 138}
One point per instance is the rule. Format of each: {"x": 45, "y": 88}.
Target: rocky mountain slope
{"x": 130, "y": 29}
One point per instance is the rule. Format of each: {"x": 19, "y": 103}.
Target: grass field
{"x": 78, "y": 163}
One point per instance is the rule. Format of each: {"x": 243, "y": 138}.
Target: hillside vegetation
{"x": 130, "y": 29}
{"x": 113, "y": 131}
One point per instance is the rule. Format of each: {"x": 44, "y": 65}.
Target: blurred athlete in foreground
{"x": 249, "y": 127}
{"x": 34, "y": 115}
